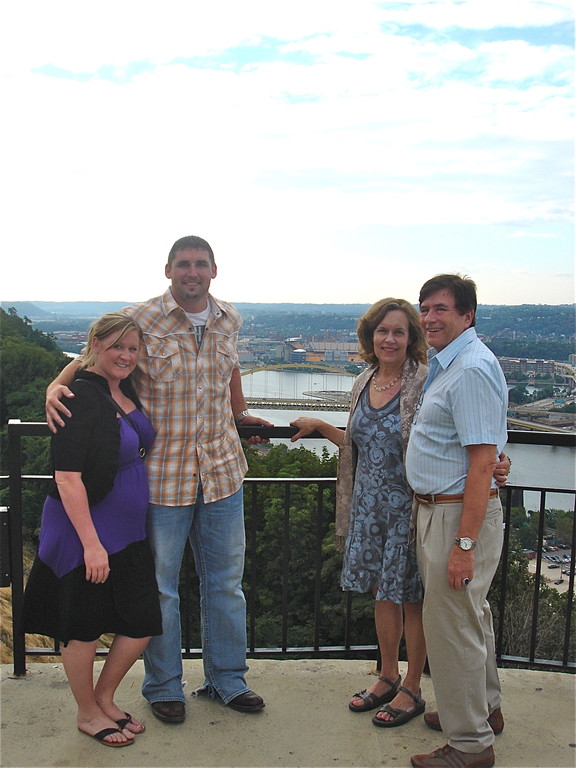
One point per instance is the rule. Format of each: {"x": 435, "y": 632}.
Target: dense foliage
{"x": 29, "y": 359}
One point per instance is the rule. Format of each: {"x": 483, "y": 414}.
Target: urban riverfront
{"x": 541, "y": 466}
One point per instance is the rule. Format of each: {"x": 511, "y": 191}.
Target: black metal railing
{"x": 255, "y": 488}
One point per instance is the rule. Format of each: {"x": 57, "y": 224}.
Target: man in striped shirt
{"x": 458, "y": 432}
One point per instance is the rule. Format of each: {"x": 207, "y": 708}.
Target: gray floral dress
{"x": 377, "y": 555}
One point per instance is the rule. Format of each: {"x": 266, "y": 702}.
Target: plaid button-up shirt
{"x": 185, "y": 391}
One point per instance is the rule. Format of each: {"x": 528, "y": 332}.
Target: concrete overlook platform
{"x": 306, "y": 722}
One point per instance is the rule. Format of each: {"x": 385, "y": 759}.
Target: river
{"x": 542, "y": 466}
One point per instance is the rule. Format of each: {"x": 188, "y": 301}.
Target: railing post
{"x": 15, "y": 535}
{"x": 5, "y": 568}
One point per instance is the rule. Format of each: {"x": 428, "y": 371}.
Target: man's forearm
{"x": 66, "y": 375}
{"x": 477, "y": 489}
{"x": 237, "y": 401}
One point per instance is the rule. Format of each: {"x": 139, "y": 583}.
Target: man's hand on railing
{"x": 255, "y": 421}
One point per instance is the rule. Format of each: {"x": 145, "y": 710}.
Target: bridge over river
{"x": 323, "y": 401}
{"x": 340, "y": 401}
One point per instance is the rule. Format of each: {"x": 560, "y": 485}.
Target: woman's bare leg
{"x": 78, "y": 660}
{"x": 389, "y": 628}
{"x": 416, "y": 652}
{"x": 123, "y": 652}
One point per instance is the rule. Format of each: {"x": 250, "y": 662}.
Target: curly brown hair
{"x": 370, "y": 320}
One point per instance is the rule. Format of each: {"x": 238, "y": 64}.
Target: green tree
{"x": 30, "y": 359}
{"x": 518, "y": 395}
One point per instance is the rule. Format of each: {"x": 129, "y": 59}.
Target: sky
{"x": 330, "y": 151}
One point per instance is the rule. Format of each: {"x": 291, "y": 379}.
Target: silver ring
{"x": 466, "y": 581}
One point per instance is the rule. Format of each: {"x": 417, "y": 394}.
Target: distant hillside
{"x": 26, "y": 309}
{"x": 42, "y": 310}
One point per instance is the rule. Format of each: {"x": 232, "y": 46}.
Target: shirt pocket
{"x": 226, "y": 358}
{"x": 164, "y": 363}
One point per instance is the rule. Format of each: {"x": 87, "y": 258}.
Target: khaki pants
{"x": 458, "y": 624}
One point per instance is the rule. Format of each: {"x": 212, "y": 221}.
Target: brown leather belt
{"x": 446, "y": 498}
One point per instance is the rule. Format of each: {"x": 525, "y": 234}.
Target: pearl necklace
{"x": 391, "y": 384}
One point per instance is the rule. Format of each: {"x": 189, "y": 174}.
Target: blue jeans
{"x": 216, "y": 533}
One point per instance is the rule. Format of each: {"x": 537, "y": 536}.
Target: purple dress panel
{"x": 119, "y": 519}
{"x": 59, "y": 602}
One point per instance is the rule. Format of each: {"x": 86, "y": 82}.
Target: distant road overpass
{"x": 302, "y": 367}
{"x": 286, "y": 404}
{"x": 532, "y": 425}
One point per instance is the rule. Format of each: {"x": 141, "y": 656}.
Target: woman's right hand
{"x": 305, "y": 426}
{"x": 55, "y": 406}
{"x": 97, "y": 565}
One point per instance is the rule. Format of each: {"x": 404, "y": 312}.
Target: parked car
{"x": 559, "y": 581}
{"x": 553, "y": 565}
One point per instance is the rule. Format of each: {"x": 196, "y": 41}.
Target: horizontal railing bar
{"x": 516, "y": 437}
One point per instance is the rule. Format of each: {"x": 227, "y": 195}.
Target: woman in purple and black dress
{"x": 94, "y": 572}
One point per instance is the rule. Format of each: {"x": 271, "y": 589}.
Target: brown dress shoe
{"x": 495, "y": 721}
{"x": 448, "y": 757}
{"x": 247, "y": 702}
{"x": 169, "y": 711}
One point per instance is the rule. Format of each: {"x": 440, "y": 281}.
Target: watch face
{"x": 466, "y": 543}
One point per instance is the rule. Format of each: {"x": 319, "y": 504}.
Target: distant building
{"x": 527, "y": 367}
{"x": 330, "y": 352}
{"x": 297, "y": 356}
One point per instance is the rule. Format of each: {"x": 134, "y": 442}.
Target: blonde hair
{"x": 112, "y": 322}
{"x": 367, "y": 324}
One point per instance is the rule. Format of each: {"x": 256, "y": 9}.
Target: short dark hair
{"x": 462, "y": 288}
{"x": 190, "y": 241}
{"x": 372, "y": 318}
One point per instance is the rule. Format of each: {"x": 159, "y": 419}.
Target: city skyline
{"x": 330, "y": 153}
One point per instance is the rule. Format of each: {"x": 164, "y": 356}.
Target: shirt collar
{"x": 171, "y": 305}
{"x": 446, "y": 356}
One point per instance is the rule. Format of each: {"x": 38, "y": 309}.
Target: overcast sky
{"x": 329, "y": 150}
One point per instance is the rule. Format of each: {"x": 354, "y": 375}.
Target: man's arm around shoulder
{"x": 55, "y": 391}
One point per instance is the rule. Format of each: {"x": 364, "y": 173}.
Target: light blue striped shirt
{"x": 464, "y": 402}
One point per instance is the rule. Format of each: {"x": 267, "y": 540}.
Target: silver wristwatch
{"x": 239, "y": 417}
{"x": 465, "y": 543}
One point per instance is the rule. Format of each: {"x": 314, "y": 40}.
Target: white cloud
{"x": 306, "y": 146}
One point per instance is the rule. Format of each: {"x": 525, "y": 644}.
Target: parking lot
{"x": 555, "y": 567}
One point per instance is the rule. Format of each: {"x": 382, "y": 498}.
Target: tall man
{"x": 190, "y": 387}
{"x": 458, "y": 432}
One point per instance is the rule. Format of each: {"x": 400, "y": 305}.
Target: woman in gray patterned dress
{"x": 374, "y": 501}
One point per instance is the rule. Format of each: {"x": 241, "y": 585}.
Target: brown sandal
{"x": 371, "y": 701}
{"x": 400, "y": 716}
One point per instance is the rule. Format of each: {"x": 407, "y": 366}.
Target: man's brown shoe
{"x": 448, "y": 757}
{"x": 169, "y": 711}
{"x": 495, "y": 721}
{"x": 247, "y": 702}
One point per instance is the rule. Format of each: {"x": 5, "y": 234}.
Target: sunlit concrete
{"x": 306, "y": 722}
